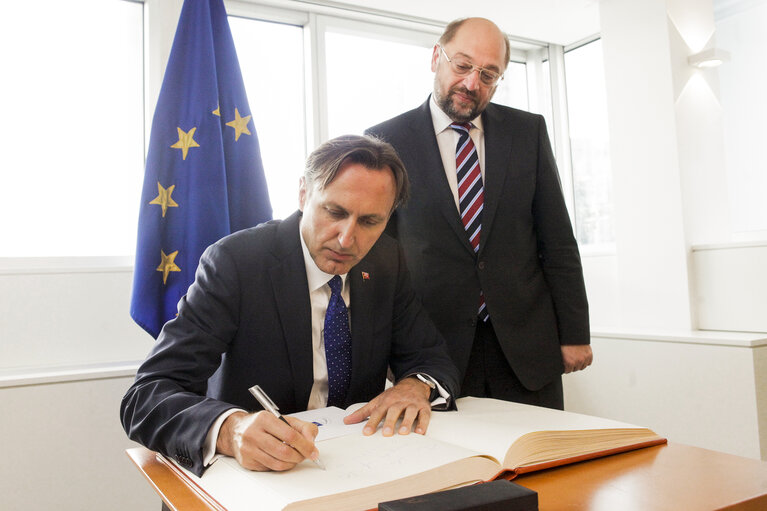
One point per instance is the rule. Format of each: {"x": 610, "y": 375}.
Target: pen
{"x": 269, "y": 406}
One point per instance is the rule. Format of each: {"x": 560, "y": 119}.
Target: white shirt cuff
{"x": 441, "y": 401}
{"x": 209, "y": 448}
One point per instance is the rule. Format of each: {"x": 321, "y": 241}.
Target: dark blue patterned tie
{"x": 338, "y": 345}
{"x": 471, "y": 194}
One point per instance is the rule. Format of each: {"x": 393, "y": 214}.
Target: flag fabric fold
{"x": 204, "y": 178}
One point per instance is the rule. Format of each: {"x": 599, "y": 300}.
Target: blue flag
{"x": 204, "y": 178}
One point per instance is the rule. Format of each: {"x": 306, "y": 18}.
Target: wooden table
{"x": 666, "y": 477}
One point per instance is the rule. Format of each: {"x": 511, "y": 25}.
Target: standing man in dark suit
{"x": 486, "y": 234}
{"x": 268, "y": 307}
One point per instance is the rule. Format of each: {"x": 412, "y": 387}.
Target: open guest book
{"x": 485, "y": 439}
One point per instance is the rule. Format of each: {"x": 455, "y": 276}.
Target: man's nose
{"x": 471, "y": 81}
{"x": 347, "y": 233}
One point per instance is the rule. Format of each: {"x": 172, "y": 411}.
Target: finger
{"x": 372, "y": 425}
{"x": 424, "y": 416}
{"x": 308, "y": 429}
{"x": 392, "y": 415}
{"x": 261, "y": 450}
{"x": 358, "y": 415}
{"x": 408, "y": 419}
{"x": 294, "y": 435}
{"x": 309, "y": 432}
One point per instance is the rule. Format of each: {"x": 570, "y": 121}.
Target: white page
{"x": 490, "y": 426}
{"x": 352, "y": 462}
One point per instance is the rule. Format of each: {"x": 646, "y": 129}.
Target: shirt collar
{"x": 441, "y": 121}
{"x": 316, "y": 277}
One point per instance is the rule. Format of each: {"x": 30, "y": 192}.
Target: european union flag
{"x": 204, "y": 178}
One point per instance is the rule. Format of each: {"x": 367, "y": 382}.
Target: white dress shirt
{"x": 447, "y": 140}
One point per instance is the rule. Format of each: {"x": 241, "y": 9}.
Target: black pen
{"x": 269, "y": 406}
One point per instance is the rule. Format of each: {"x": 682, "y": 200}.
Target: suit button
{"x": 473, "y": 321}
{"x": 481, "y": 265}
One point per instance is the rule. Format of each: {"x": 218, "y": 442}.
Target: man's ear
{"x": 434, "y": 58}
{"x": 301, "y": 193}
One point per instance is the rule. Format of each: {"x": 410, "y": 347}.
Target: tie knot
{"x": 463, "y": 127}
{"x": 335, "y": 285}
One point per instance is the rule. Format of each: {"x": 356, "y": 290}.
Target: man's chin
{"x": 334, "y": 267}
{"x": 462, "y": 112}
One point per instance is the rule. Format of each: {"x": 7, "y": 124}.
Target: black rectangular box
{"x": 500, "y": 495}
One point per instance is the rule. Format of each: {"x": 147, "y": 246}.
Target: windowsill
{"x": 79, "y": 264}
{"x": 729, "y": 246}
{"x": 699, "y": 337}
{"x": 24, "y": 376}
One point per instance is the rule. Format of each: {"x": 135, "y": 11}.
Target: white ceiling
{"x": 554, "y": 21}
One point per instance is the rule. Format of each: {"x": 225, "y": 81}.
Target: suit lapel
{"x": 497, "y": 158}
{"x": 432, "y": 171}
{"x": 290, "y": 288}
{"x": 362, "y": 287}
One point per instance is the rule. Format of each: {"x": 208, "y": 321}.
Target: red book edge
{"x": 511, "y": 474}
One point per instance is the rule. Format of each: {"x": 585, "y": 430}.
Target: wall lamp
{"x": 712, "y": 57}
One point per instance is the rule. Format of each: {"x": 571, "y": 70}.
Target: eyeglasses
{"x": 462, "y": 67}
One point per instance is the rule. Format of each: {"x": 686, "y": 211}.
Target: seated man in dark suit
{"x": 264, "y": 309}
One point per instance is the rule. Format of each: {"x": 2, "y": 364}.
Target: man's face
{"x": 463, "y": 98}
{"x": 341, "y": 222}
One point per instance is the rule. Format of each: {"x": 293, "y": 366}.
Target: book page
{"x": 490, "y": 426}
{"x": 352, "y": 462}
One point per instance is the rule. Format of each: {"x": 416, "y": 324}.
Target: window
{"x": 370, "y": 80}
{"x": 72, "y": 141}
{"x": 589, "y": 144}
{"x": 274, "y": 82}
{"x": 512, "y": 90}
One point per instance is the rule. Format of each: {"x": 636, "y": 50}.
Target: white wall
{"x": 64, "y": 449}
{"x": 650, "y": 243}
{"x": 707, "y": 389}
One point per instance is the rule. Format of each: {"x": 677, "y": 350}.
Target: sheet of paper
{"x": 353, "y": 462}
{"x": 330, "y": 422}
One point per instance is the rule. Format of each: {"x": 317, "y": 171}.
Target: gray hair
{"x": 324, "y": 163}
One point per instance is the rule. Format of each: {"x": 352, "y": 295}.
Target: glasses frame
{"x": 487, "y": 72}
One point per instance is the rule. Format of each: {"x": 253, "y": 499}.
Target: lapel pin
{"x": 365, "y": 275}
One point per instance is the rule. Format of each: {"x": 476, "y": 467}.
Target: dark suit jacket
{"x": 528, "y": 263}
{"x": 246, "y": 320}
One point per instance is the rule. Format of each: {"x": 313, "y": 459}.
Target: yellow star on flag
{"x": 164, "y": 199}
{"x": 167, "y": 265}
{"x": 217, "y": 111}
{"x": 185, "y": 141}
{"x": 240, "y": 125}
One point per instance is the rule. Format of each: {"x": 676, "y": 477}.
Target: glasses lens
{"x": 462, "y": 67}
{"x": 488, "y": 77}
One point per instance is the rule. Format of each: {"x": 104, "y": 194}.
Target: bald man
{"x": 486, "y": 234}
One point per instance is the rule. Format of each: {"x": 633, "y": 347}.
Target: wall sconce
{"x": 712, "y": 57}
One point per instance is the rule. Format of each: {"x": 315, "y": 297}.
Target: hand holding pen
{"x": 260, "y": 441}
{"x": 269, "y": 406}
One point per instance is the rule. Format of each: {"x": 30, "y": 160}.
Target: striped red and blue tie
{"x": 470, "y": 194}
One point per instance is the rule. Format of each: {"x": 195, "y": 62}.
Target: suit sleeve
{"x": 417, "y": 345}
{"x": 166, "y": 409}
{"x": 558, "y": 249}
